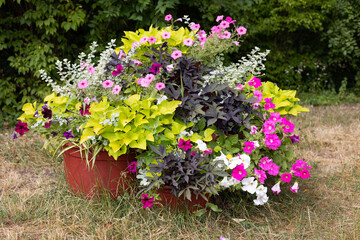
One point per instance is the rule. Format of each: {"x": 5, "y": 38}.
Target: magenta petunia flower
{"x": 165, "y": 35}
{"x": 184, "y": 145}
{"x": 160, "y": 86}
{"x": 68, "y": 134}
{"x": 268, "y": 104}
{"x": 274, "y": 116}
{"x": 118, "y": 70}
{"x": 255, "y": 82}
{"x": 91, "y": 69}
{"x": 258, "y": 95}
{"x": 48, "y": 124}
{"x": 288, "y": 126}
{"x": 85, "y": 111}
{"x": 216, "y": 29}
{"x": 168, "y": 17}
{"x": 188, "y": 42}
{"x": 47, "y": 113}
{"x": 152, "y": 39}
{"x": 229, "y": 20}
{"x": 176, "y": 54}
{"x": 148, "y": 202}
{"x": 82, "y": 84}
{"x": 269, "y": 127}
{"x": 202, "y": 39}
{"x": 249, "y": 146}
{"x": 304, "y": 174}
{"x": 116, "y": 89}
{"x": 208, "y": 151}
{"x": 286, "y": 177}
{"x": 224, "y": 24}
{"x": 272, "y": 141}
{"x": 273, "y": 169}
{"x": 239, "y": 172}
{"x": 143, "y": 40}
{"x": 265, "y": 163}
{"x": 219, "y": 18}
{"x": 107, "y": 83}
{"x": 261, "y": 175}
{"x": 194, "y": 26}
{"x": 294, "y": 139}
{"x": 132, "y": 166}
{"x": 155, "y": 68}
{"x": 241, "y": 30}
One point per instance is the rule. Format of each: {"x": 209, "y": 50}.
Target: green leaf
{"x": 213, "y": 207}
{"x": 200, "y": 212}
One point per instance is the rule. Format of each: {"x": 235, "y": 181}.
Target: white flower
{"x": 227, "y": 183}
{"x": 295, "y": 187}
{"x": 142, "y": 176}
{"x": 261, "y": 199}
{"x": 276, "y": 188}
{"x": 261, "y": 190}
{"x": 223, "y": 158}
{"x": 170, "y": 67}
{"x": 201, "y": 145}
{"x": 256, "y": 144}
{"x": 245, "y": 159}
{"x": 249, "y": 185}
{"x": 185, "y": 133}
{"x": 162, "y": 98}
{"x": 235, "y": 161}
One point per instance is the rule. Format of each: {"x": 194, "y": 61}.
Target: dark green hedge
{"x": 315, "y": 44}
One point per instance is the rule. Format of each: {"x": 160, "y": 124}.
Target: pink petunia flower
{"x": 255, "y": 82}
{"x": 273, "y": 169}
{"x": 241, "y": 30}
{"x": 170, "y": 67}
{"x": 229, "y": 20}
{"x": 148, "y": 202}
{"x": 188, "y": 42}
{"x": 107, "y": 84}
{"x": 268, "y": 104}
{"x": 240, "y": 86}
{"x": 168, "y": 17}
{"x": 194, "y": 26}
{"x": 276, "y": 188}
{"x": 227, "y": 35}
{"x": 304, "y": 174}
{"x": 239, "y": 172}
{"x": 236, "y": 43}
{"x": 265, "y": 163}
{"x": 288, "y": 126}
{"x": 261, "y": 175}
{"x": 286, "y": 177}
{"x": 152, "y": 39}
{"x": 176, "y": 54}
{"x": 87, "y": 100}
{"x": 165, "y": 35}
{"x": 201, "y": 33}
{"x": 202, "y": 39}
{"x": 295, "y": 187}
{"x": 258, "y": 95}
{"x": 216, "y": 29}
{"x": 269, "y": 127}
{"x": 132, "y": 166}
{"x": 275, "y": 117}
{"x": 116, "y": 89}
{"x": 118, "y": 70}
{"x": 224, "y": 24}
{"x": 145, "y": 82}
{"x": 184, "y": 145}
{"x": 160, "y": 86}
{"x": 144, "y": 40}
{"x": 208, "y": 151}
{"x": 21, "y": 127}
{"x": 272, "y": 141}
{"x": 249, "y": 146}
{"x": 137, "y": 62}
{"x": 83, "y": 84}
{"x": 91, "y": 69}
{"x": 219, "y": 18}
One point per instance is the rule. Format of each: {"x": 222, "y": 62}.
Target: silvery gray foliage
{"x": 237, "y": 73}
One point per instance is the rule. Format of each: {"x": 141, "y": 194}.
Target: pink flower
{"x": 139, "y": 81}
{"x": 255, "y": 82}
{"x": 116, "y": 89}
{"x": 135, "y": 44}
{"x": 202, "y": 39}
{"x": 160, "y": 86}
{"x": 241, "y": 30}
{"x": 201, "y": 33}
{"x": 208, "y": 151}
{"x": 108, "y": 84}
{"x": 265, "y": 163}
{"x": 275, "y": 117}
{"x": 85, "y": 111}
{"x": 219, "y": 18}
{"x": 194, "y": 26}
{"x": 268, "y": 104}
{"x": 188, "y": 42}
{"x": 272, "y": 141}
{"x": 299, "y": 166}
{"x": 144, "y": 39}
{"x": 224, "y": 24}
{"x": 48, "y": 124}
{"x": 269, "y": 127}
{"x": 118, "y": 70}
{"x": 304, "y": 174}
{"x": 240, "y": 86}
{"x": 148, "y": 202}
{"x": 253, "y": 130}
{"x": 229, "y": 20}
{"x": 256, "y": 105}
{"x": 273, "y": 169}
{"x": 155, "y": 68}
{"x": 184, "y": 145}
{"x": 295, "y": 187}
{"x": 82, "y": 84}
{"x": 258, "y": 95}
{"x": 165, "y": 35}
{"x": 145, "y": 82}
{"x": 152, "y": 39}
{"x": 21, "y": 127}
{"x": 193, "y": 153}
{"x": 236, "y": 43}
{"x": 87, "y": 100}
{"x": 261, "y": 175}
{"x": 227, "y": 35}
{"x": 239, "y": 172}
{"x": 168, "y": 17}
{"x": 288, "y": 126}
{"x": 286, "y": 177}
{"x": 137, "y": 62}
{"x": 83, "y": 65}
{"x": 176, "y": 54}
{"x": 91, "y": 69}
{"x": 170, "y": 67}
{"x": 132, "y": 166}
{"x": 216, "y": 29}
{"x": 276, "y": 188}
{"x": 249, "y": 146}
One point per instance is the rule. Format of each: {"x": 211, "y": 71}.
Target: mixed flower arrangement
{"x": 197, "y": 126}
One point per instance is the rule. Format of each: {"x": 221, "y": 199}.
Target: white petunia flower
{"x": 229, "y": 182}
{"x": 142, "y": 176}
{"x": 249, "y": 185}
{"x": 261, "y": 190}
{"x": 256, "y": 144}
{"x": 160, "y": 99}
{"x": 201, "y": 145}
{"x": 261, "y": 199}
{"x": 235, "y": 161}
{"x": 245, "y": 159}
{"x": 276, "y": 188}
{"x": 223, "y": 158}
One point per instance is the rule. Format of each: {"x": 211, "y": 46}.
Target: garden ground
{"x": 36, "y": 204}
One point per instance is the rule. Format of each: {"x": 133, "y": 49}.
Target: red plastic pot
{"x": 170, "y": 200}
{"x": 107, "y": 174}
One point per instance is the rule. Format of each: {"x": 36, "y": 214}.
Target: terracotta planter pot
{"x": 107, "y": 174}
{"x": 169, "y": 199}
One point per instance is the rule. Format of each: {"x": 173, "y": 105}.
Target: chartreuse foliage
{"x": 138, "y": 121}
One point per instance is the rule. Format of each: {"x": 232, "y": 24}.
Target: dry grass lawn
{"x": 35, "y": 202}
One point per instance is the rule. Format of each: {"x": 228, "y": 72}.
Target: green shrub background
{"x": 315, "y": 44}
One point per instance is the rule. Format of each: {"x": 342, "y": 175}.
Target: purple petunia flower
{"x": 86, "y": 111}
{"x": 21, "y": 128}
{"x": 54, "y": 133}
{"x": 68, "y": 134}
{"x": 294, "y": 139}
{"x": 118, "y": 70}
{"x": 47, "y": 113}
{"x": 14, "y": 136}
{"x": 132, "y": 166}
{"x": 148, "y": 202}
{"x": 155, "y": 68}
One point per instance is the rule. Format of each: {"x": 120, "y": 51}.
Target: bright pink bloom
{"x": 116, "y": 89}
{"x": 82, "y": 84}
{"x": 273, "y": 169}
{"x": 227, "y": 35}
{"x": 269, "y": 127}
{"x": 298, "y": 167}
{"x": 201, "y": 33}
{"x": 108, "y": 84}
{"x": 229, "y": 20}
{"x": 268, "y": 104}
{"x": 87, "y": 100}
{"x": 216, "y": 29}
{"x": 272, "y": 141}
{"x": 184, "y": 145}
{"x": 288, "y": 126}
{"x": 168, "y": 17}
{"x": 85, "y": 111}
{"x": 249, "y": 146}
{"x": 132, "y": 166}
{"x": 261, "y": 175}
{"x": 148, "y": 202}
{"x": 208, "y": 151}
{"x": 241, "y": 30}
{"x": 202, "y": 39}
{"x": 155, "y": 68}
{"x": 91, "y": 69}
{"x": 295, "y": 187}
{"x": 236, "y": 43}
{"x": 255, "y": 82}
{"x": 176, "y": 54}
{"x": 194, "y": 26}
{"x": 193, "y": 153}
{"x": 188, "y": 42}
{"x": 304, "y": 174}
{"x": 48, "y": 124}
{"x": 286, "y": 177}
{"x": 219, "y": 18}
{"x": 139, "y": 81}
{"x": 239, "y": 172}
{"x": 118, "y": 70}
{"x": 160, "y": 86}
{"x": 144, "y": 39}
{"x": 152, "y": 40}
{"x": 165, "y": 35}
{"x": 274, "y": 116}
{"x": 145, "y": 82}
{"x": 265, "y": 163}
{"x": 258, "y": 95}
{"x": 224, "y": 24}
